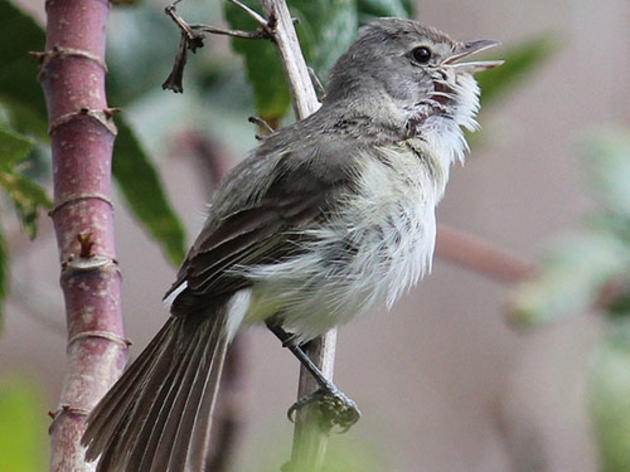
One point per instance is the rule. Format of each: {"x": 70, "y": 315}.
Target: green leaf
{"x": 571, "y": 277}
{"x": 377, "y": 8}
{"x": 609, "y": 399}
{"x": 520, "y": 61}
{"x": 28, "y": 198}
{"x": 142, "y": 189}
{"x": 13, "y": 148}
{"x": 326, "y": 29}
{"x": 22, "y": 428}
{"x": 271, "y": 94}
{"x": 26, "y": 194}
{"x": 21, "y": 94}
{"x": 608, "y": 160}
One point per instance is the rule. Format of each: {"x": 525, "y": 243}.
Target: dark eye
{"x": 421, "y": 54}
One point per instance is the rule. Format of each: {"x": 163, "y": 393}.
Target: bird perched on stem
{"x": 327, "y": 218}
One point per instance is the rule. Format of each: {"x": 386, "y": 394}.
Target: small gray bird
{"x": 327, "y": 218}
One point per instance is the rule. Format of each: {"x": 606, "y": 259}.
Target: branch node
{"x": 73, "y": 198}
{"x": 84, "y": 264}
{"x": 38, "y": 55}
{"x": 66, "y": 410}
{"x": 60, "y": 52}
{"x": 111, "y": 111}
{"x": 272, "y": 23}
{"x": 100, "y": 334}
{"x": 102, "y": 116}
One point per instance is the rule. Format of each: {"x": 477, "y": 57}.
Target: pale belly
{"x": 379, "y": 247}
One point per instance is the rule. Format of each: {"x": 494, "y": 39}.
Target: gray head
{"x": 411, "y": 71}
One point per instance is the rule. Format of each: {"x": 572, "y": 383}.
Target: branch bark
{"x": 309, "y": 442}
{"x": 82, "y": 136}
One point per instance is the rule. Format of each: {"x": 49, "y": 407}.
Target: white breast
{"x": 373, "y": 251}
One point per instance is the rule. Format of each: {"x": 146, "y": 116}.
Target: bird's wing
{"x": 299, "y": 192}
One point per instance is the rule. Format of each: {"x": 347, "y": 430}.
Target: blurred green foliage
{"x": 573, "y": 271}
{"x": 589, "y": 271}
{"x": 520, "y": 61}
{"x": 23, "y": 420}
{"x": 28, "y": 197}
{"x": 576, "y": 268}
{"x": 610, "y": 397}
{"x": 344, "y": 453}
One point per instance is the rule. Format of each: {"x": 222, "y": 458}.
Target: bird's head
{"x": 401, "y": 67}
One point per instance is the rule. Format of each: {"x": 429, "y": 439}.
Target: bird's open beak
{"x": 468, "y": 49}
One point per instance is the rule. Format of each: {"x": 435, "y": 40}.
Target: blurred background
{"x": 465, "y": 373}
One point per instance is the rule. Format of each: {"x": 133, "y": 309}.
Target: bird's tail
{"x": 158, "y": 415}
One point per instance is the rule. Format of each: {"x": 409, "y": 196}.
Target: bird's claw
{"x": 334, "y": 407}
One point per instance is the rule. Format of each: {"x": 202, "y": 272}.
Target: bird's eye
{"x": 421, "y": 54}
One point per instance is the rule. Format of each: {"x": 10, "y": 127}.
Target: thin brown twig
{"x": 481, "y": 256}
{"x": 170, "y": 10}
{"x": 263, "y": 124}
{"x": 321, "y": 90}
{"x": 192, "y": 37}
{"x": 261, "y": 20}
{"x": 258, "y": 34}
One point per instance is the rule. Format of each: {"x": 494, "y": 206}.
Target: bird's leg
{"x": 335, "y": 408}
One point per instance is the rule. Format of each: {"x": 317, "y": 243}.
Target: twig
{"x": 193, "y": 40}
{"x": 82, "y": 137}
{"x": 258, "y": 34}
{"x": 481, "y": 256}
{"x": 262, "y": 21}
{"x": 186, "y": 29}
{"x": 309, "y": 441}
{"x": 301, "y": 88}
{"x": 261, "y": 124}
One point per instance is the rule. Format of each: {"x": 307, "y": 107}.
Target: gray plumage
{"x": 326, "y": 218}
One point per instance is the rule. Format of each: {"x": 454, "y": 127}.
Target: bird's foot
{"x": 333, "y": 406}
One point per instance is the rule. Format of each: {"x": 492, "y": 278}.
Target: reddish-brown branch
{"x": 480, "y": 256}
{"x": 82, "y": 138}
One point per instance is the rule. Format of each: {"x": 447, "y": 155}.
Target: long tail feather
{"x": 151, "y": 418}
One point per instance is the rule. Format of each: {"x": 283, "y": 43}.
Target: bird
{"x": 326, "y": 219}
